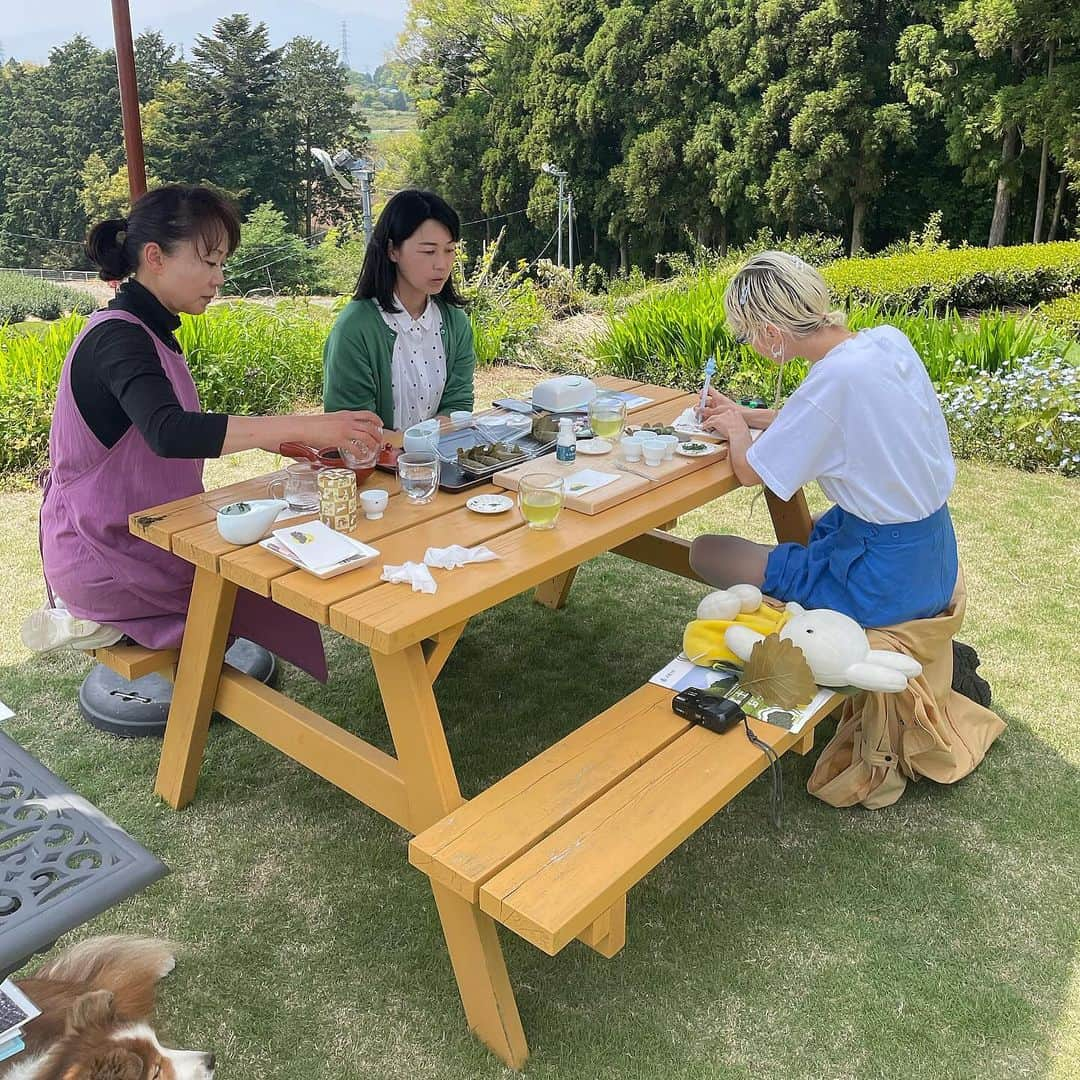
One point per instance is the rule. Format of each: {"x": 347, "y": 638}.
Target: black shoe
{"x": 965, "y": 678}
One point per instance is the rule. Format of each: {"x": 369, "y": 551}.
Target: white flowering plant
{"x": 1027, "y": 417}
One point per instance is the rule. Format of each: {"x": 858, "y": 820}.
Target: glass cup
{"x": 419, "y": 476}
{"x": 299, "y": 487}
{"x": 607, "y": 416}
{"x": 540, "y": 498}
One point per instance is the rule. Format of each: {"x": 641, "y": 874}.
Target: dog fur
{"x": 95, "y": 999}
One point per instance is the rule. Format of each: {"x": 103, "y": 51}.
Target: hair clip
{"x": 744, "y": 293}
{"x": 121, "y": 236}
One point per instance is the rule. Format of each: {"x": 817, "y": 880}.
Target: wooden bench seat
{"x": 551, "y": 850}
{"x": 132, "y": 662}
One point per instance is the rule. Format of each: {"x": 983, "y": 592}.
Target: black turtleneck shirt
{"x": 117, "y": 380}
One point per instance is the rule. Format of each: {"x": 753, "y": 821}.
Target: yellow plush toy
{"x": 703, "y": 639}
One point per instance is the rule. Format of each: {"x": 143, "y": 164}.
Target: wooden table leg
{"x": 553, "y": 593}
{"x": 791, "y": 519}
{"x": 431, "y": 784}
{"x": 197, "y": 674}
{"x": 437, "y": 649}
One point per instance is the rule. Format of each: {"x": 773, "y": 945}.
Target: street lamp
{"x": 354, "y": 175}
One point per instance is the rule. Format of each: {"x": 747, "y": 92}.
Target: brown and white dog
{"x": 95, "y": 999}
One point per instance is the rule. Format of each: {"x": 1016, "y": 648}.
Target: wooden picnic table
{"x": 410, "y": 637}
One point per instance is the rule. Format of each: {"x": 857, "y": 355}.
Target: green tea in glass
{"x": 607, "y": 416}
{"x": 540, "y": 498}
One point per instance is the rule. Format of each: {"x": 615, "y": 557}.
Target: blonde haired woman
{"x": 866, "y": 425}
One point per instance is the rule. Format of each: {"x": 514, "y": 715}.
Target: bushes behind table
{"x": 245, "y": 358}
{"x": 22, "y": 297}
{"x": 250, "y": 359}
{"x": 971, "y": 279}
{"x": 29, "y": 372}
{"x": 1063, "y": 315}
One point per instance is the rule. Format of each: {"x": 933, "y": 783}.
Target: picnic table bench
{"x": 550, "y": 851}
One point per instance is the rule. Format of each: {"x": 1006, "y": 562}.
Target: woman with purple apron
{"x": 128, "y": 433}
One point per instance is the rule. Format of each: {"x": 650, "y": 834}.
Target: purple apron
{"x": 102, "y": 572}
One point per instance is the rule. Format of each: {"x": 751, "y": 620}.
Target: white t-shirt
{"x": 418, "y": 365}
{"x": 867, "y": 426}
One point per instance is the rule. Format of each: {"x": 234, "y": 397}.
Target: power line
{"x": 49, "y": 239}
{"x": 494, "y": 217}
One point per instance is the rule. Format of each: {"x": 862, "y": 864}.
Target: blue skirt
{"x": 878, "y": 574}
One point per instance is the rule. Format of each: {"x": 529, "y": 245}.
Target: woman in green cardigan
{"x": 403, "y": 346}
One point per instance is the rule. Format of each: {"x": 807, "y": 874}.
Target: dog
{"x": 95, "y": 1000}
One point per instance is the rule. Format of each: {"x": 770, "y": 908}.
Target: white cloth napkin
{"x": 415, "y": 574}
{"x": 448, "y": 558}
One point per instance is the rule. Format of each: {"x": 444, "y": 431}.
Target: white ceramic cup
{"x": 670, "y": 442}
{"x": 460, "y": 416}
{"x": 653, "y": 449}
{"x": 374, "y": 503}
{"x": 422, "y": 438}
{"x": 631, "y": 447}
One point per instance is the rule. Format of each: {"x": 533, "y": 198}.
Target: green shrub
{"x": 338, "y": 261}
{"x": 29, "y": 372}
{"x": 971, "y": 279}
{"x": 249, "y": 359}
{"x": 246, "y": 359}
{"x": 22, "y": 297}
{"x": 269, "y": 256}
{"x": 1063, "y": 315}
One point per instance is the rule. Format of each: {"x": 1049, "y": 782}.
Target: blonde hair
{"x": 778, "y": 288}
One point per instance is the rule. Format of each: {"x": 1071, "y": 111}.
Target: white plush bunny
{"x": 836, "y": 648}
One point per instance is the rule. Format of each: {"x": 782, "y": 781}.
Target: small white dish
{"x": 703, "y": 449}
{"x": 364, "y": 554}
{"x": 594, "y": 446}
{"x": 489, "y": 504}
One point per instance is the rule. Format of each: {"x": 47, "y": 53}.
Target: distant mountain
{"x": 371, "y": 34}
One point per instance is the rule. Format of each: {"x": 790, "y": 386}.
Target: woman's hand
{"x": 363, "y": 430}
{"x": 728, "y": 422}
{"x": 718, "y": 403}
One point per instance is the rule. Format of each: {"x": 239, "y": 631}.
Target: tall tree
{"x": 314, "y": 108}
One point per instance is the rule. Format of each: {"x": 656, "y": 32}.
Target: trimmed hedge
{"x": 1063, "y": 315}
{"x": 21, "y": 297}
{"x": 970, "y": 279}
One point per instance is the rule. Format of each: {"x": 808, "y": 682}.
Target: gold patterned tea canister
{"x": 337, "y": 499}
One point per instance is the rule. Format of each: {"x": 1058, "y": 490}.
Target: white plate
{"x": 594, "y": 446}
{"x": 364, "y": 554}
{"x": 706, "y": 449}
{"x": 489, "y": 504}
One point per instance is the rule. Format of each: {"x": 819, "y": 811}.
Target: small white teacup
{"x": 374, "y": 503}
{"x": 670, "y": 442}
{"x": 631, "y": 447}
{"x": 653, "y": 449}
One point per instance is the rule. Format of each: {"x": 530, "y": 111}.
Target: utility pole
{"x": 570, "y": 229}
{"x": 129, "y": 98}
{"x": 560, "y": 175}
{"x": 365, "y": 175}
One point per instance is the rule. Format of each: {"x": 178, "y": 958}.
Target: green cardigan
{"x": 357, "y": 355}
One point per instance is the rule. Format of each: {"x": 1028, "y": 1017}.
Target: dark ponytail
{"x": 107, "y": 247}
{"x": 165, "y": 216}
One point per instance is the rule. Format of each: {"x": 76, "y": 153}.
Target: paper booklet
{"x": 680, "y": 674}
{"x": 16, "y": 1010}
{"x": 316, "y": 545}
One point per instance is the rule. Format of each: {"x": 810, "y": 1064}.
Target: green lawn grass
{"x": 938, "y": 938}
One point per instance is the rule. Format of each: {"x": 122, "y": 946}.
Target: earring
{"x": 777, "y": 353}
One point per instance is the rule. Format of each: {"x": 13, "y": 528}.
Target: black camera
{"x": 718, "y": 714}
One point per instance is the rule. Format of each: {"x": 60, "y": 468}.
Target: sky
{"x": 30, "y": 28}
